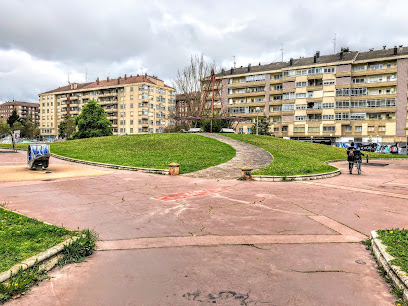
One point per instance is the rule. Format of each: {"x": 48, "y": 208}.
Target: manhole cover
{"x": 360, "y": 262}
{"x": 48, "y": 172}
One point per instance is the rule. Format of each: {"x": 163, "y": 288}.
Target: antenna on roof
{"x": 334, "y": 43}
{"x": 86, "y": 74}
{"x": 282, "y": 51}
{"x": 234, "y": 61}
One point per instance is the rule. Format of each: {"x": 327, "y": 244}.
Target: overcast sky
{"x": 41, "y": 41}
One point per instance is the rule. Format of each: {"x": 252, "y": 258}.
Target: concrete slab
{"x": 301, "y": 241}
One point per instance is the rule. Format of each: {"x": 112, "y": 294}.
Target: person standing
{"x": 350, "y": 157}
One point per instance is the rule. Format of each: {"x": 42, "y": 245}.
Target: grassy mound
{"x": 396, "y": 241}
{"x": 293, "y": 157}
{"x": 193, "y": 152}
{"x": 22, "y": 237}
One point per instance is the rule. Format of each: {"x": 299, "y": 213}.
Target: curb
{"x": 119, "y": 167}
{"x": 47, "y": 260}
{"x": 398, "y": 277}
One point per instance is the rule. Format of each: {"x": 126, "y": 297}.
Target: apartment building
{"x": 342, "y": 97}
{"x": 134, "y": 104}
{"x": 24, "y": 109}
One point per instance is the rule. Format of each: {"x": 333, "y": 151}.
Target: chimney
{"x": 291, "y": 62}
{"x": 249, "y": 67}
{"x": 107, "y": 79}
{"x": 125, "y": 76}
{"x": 314, "y": 59}
{"x": 341, "y": 55}
{"x": 97, "y": 81}
{"x": 118, "y": 80}
{"x": 317, "y": 54}
{"x": 395, "y": 50}
{"x": 232, "y": 71}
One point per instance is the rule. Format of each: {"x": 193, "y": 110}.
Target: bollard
{"x": 246, "y": 172}
{"x": 367, "y": 158}
{"x": 174, "y": 169}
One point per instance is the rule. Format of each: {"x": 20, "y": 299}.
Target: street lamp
{"x": 257, "y": 114}
{"x": 311, "y": 138}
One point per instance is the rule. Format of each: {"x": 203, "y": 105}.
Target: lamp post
{"x": 377, "y": 138}
{"x": 311, "y": 138}
{"x": 257, "y": 117}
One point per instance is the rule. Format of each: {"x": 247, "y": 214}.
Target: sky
{"x": 43, "y": 43}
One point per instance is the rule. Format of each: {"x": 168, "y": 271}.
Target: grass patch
{"x": 80, "y": 249}
{"x": 396, "y": 241}
{"x": 22, "y": 237}
{"x": 292, "y": 157}
{"x": 192, "y": 152}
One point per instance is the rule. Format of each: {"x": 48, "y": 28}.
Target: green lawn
{"x": 293, "y": 157}
{"x": 22, "y": 237}
{"x": 192, "y": 152}
{"x": 396, "y": 241}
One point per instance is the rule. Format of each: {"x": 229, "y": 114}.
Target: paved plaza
{"x": 194, "y": 241}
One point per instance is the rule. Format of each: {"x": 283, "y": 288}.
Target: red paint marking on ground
{"x": 181, "y": 195}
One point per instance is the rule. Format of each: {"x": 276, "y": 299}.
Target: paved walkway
{"x": 191, "y": 241}
{"x": 246, "y": 155}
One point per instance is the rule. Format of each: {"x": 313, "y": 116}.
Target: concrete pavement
{"x": 186, "y": 241}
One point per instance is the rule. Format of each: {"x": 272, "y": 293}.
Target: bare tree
{"x": 190, "y": 82}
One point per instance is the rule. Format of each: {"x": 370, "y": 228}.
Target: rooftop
{"x": 19, "y": 103}
{"x": 107, "y": 83}
{"x": 345, "y": 56}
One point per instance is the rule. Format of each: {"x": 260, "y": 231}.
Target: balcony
{"x": 315, "y": 76}
{"x": 314, "y": 111}
{"x": 373, "y": 72}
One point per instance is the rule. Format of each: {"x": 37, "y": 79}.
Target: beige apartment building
{"x": 25, "y": 110}
{"x": 134, "y": 104}
{"x": 343, "y": 97}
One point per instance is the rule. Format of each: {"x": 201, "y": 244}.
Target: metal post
{"x": 257, "y": 119}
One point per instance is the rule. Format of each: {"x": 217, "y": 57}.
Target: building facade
{"x": 134, "y": 104}
{"x": 343, "y": 97}
{"x": 25, "y": 110}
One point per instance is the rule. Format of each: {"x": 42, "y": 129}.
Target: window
{"x": 131, "y": 122}
{"x": 358, "y": 104}
{"x": 342, "y": 92}
{"x": 388, "y": 65}
{"x": 301, "y": 84}
{"x": 359, "y": 91}
{"x": 300, "y": 118}
{"x": 342, "y": 104}
{"x": 131, "y": 97}
{"x": 255, "y": 78}
{"x": 329, "y": 82}
{"x": 376, "y": 67}
{"x": 301, "y": 96}
{"x": 358, "y": 129}
{"x": 276, "y": 129}
{"x": 329, "y": 128}
{"x": 301, "y": 106}
{"x": 299, "y": 129}
{"x": 313, "y": 129}
{"x": 131, "y": 89}
{"x": 284, "y": 128}
{"x": 342, "y": 116}
{"x": 381, "y": 128}
{"x": 277, "y": 87}
{"x": 290, "y": 73}
{"x": 288, "y": 96}
{"x": 329, "y": 70}
{"x": 288, "y": 107}
{"x": 328, "y": 105}
{"x": 358, "y": 116}
{"x": 371, "y": 129}
{"x": 131, "y": 130}
{"x": 277, "y": 109}
{"x": 348, "y": 128}
{"x": 328, "y": 117}
{"x": 358, "y": 80}
{"x": 276, "y": 119}
{"x": 359, "y": 68}
{"x": 277, "y": 76}
{"x": 374, "y": 116}
{"x": 277, "y": 98}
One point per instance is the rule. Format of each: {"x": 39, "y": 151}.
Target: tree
{"x": 10, "y": 126}
{"x": 92, "y": 122}
{"x": 189, "y": 82}
{"x": 66, "y": 127}
{"x": 29, "y": 130}
{"x": 217, "y": 124}
{"x": 263, "y": 127}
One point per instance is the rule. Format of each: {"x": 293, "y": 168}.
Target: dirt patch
{"x": 21, "y": 173}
